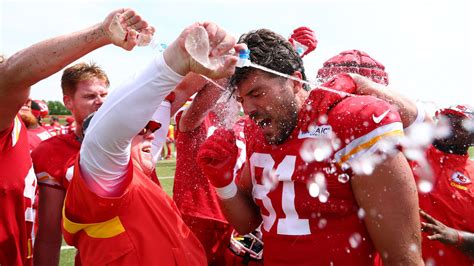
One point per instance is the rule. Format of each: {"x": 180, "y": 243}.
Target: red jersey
{"x": 140, "y": 227}
{"x": 300, "y": 228}
{"x": 192, "y": 192}
{"x": 54, "y": 159}
{"x": 451, "y": 202}
{"x": 17, "y": 192}
{"x": 37, "y": 135}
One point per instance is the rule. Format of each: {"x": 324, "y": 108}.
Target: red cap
{"x": 69, "y": 119}
{"x": 461, "y": 110}
{"x": 39, "y": 108}
{"x": 353, "y": 61}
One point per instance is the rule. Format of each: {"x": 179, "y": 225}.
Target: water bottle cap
{"x": 300, "y": 50}
{"x": 244, "y": 54}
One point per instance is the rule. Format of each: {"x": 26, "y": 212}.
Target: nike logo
{"x": 379, "y": 118}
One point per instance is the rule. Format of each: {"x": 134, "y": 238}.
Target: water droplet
{"x": 343, "y": 178}
{"x": 323, "y": 119}
{"x": 323, "y": 196}
{"x": 430, "y": 262}
{"x": 425, "y": 186}
{"x": 413, "y": 247}
{"x": 361, "y": 213}
{"x": 322, "y": 223}
{"x": 313, "y": 190}
{"x": 355, "y": 240}
{"x": 316, "y": 149}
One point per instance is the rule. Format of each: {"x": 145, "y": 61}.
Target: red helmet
{"x": 464, "y": 111}
{"x": 353, "y": 61}
{"x": 39, "y": 108}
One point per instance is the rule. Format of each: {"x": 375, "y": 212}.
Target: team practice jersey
{"x": 36, "y": 136}
{"x": 140, "y": 227}
{"x": 54, "y": 159}
{"x": 450, "y": 202}
{"x": 17, "y": 192}
{"x": 318, "y": 227}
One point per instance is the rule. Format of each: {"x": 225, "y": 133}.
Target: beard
{"x": 29, "y": 119}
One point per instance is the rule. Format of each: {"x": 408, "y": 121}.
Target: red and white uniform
{"x": 451, "y": 202}
{"x": 194, "y": 195}
{"x": 299, "y": 229}
{"x": 140, "y": 227}
{"x": 54, "y": 159}
{"x": 37, "y": 135}
{"x": 17, "y": 192}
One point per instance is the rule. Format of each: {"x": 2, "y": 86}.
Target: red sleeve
{"x": 364, "y": 125}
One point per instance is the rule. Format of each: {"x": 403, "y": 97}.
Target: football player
{"x": 322, "y": 170}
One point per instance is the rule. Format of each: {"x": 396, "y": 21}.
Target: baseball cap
{"x": 353, "y": 61}
{"x": 461, "y": 110}
{"x": 152, "y": 125}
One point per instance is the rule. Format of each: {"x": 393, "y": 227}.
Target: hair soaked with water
{"x": 270, "y": 50}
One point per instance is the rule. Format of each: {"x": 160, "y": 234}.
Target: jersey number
{"x": 291, "y": 224}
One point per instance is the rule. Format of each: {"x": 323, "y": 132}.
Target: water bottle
{"x": 244, "y": 58}
{"x": 300, "y": 48}
{"x": 144, "y": 39}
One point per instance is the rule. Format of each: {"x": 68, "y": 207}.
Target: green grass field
{"x": 165, "y": 170}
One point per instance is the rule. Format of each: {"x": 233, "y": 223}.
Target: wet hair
{"x": 80, "y": 72}
{"x": 270, "y": 50}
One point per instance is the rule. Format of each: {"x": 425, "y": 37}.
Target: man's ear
{"x": 297, "y": 86}
{"x": 67, "y": 100}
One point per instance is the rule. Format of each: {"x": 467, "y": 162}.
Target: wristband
{"x": 227, "y": 192}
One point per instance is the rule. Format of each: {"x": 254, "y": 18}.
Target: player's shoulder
{"x": 55, "y": 146}
{"x": 365, "y": 110}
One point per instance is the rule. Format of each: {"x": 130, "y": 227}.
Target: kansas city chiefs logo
{"x": 460, "y": 178}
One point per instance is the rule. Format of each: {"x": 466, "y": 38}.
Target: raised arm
{"x": 39, "y": 61}
{"x": 105, "y": 153}
{"x": 202, "y": 104}
{"x": 410, "y": 112}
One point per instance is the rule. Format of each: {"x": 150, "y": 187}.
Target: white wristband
{"x": 227, "y": 192}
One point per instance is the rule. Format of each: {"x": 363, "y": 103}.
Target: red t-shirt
{"x": 36, "y": 136}
{"x": 300, "y": 229}
{"x": 17, "y": 192}
{"x": 141, "y": 227}
{"x": 54, "y": 159}
{"x": 451, "y": 202}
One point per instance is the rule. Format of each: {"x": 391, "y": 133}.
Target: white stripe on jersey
{"x": 366, "y": 143}
{"x": 16, "y": 130}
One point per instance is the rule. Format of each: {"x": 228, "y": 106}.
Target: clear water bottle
{"x": 144, "y": 39}
{"x": 300, "y": 48}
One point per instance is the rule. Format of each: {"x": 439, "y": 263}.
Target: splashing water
{"x": 425, "y": 186}
{"x": 413, "y": 247}
{"x": 361, "y": 213}
{"x": 430, "y": 262}
{"x": 355, "y": 240}
{"x": 313, "y": 190}
{"x": 270, "y": 179}
{"x": 316, "y": 150}
{"x": 343, "y": 178}
{"x": 322, "y": 223}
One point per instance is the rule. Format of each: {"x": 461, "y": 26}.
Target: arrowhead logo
{"x": 379, "y": 118}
